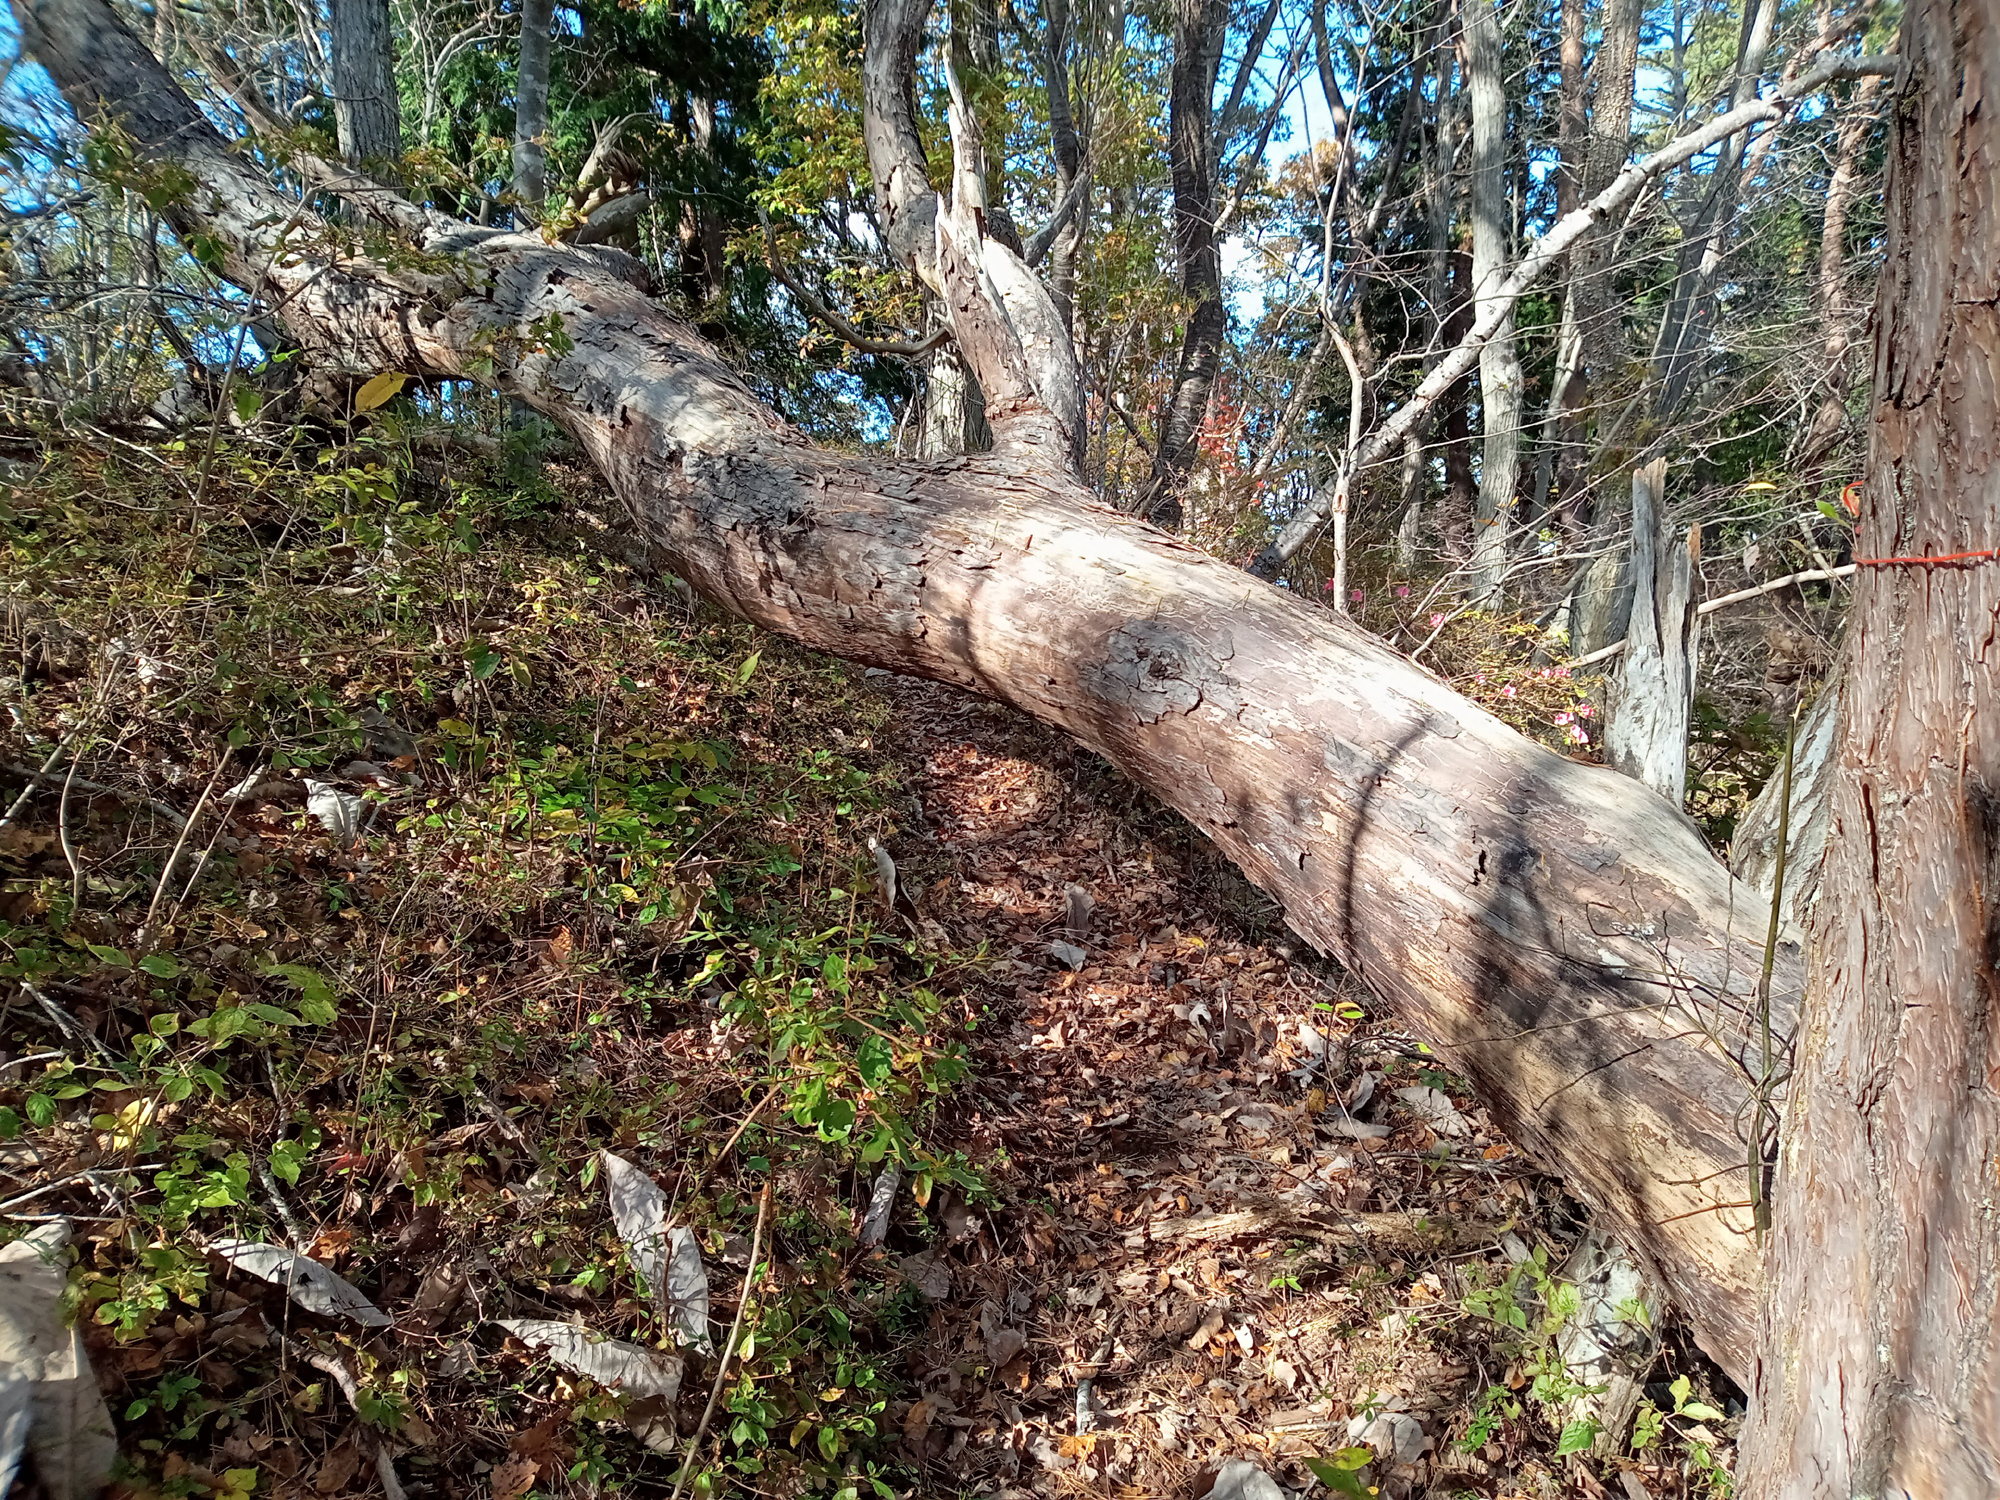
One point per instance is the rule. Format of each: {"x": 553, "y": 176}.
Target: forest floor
{"x": 397, "y": 887}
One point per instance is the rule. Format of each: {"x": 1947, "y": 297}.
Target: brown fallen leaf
{"x": 515, "y": 1475}
{"x": 337, "y": 1468}
{"x": 331, "y": 1245}
{"x": 1207, "y": 1329}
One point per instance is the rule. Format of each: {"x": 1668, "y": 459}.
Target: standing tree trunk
{"x": 1068, "y": 151}
{"x": 1599, "y": 348}
{"x": 361, "y": 66}
{"x": 1684, "y": 326}
{"x": 1881, "y": 1368}
{"x": 1500, "y": 360}
{"x": 1831, "y": 417}
{"x": 531, "y": 106}
{"x": 1199, "y": 28}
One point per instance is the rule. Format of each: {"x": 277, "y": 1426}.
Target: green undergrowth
{"x": 400, "y": 852}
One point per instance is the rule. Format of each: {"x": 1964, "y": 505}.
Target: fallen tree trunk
{"x": 1561, "y": 933}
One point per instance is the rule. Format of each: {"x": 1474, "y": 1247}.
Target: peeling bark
{"x": 1652, "y": 696}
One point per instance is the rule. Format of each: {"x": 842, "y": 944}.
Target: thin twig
{"x": 905, "y": 348}
{"x": 66, "y": 1023}
{"x": 1710, "y": 606}
{"x": 147, "y": 936}
{"x": 300, "y": 1239}
{"x": 385, "y": 1467}
{"x": 97, "y": 788}
{"x": 1765, "y": 1083}
{"x": 62, "y": 837}
{"x": 728, "y": 1349}
{"x": 730, "y": 1144}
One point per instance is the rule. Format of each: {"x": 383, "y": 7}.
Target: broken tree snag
{"x": 1881, "y": 1375}
{"x": 1652, "y": 690}
{"x": 1560, "y": 932}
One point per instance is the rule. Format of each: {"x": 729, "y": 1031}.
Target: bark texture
{"x": 1652, "y": 698}
{"x": 361, "y": 67}
{"x": 1881, "y": 1374}
{"x": 531, "y": 105}
{"x": 1561, "y": 934}
{"x": 1199, "y": 28}
{"x": 1499, "y": 359}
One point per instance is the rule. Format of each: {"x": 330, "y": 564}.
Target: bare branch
{"x": 1709, "y": 606}
{"x": 904, "y": 348}
{"x": 1540, "y": 257}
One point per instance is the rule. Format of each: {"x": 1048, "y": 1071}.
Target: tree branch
{"x": 1709, "y": 606}
{"x": 903, "y": 348}
{"x": 1539, "y": 258}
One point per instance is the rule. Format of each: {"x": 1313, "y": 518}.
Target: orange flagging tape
{"x": 1940, "y": 561}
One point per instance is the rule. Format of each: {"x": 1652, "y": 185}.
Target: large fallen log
{"x": 1561, "y": 933}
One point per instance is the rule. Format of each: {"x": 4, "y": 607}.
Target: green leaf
{"x": 835, "y": 1118}
{"x": 1576, "y": 1437}
{"x": 875, "y": 1060}
{"x": 317, "y": 1005}
{"x": 483, "y": 659}
{"x": 160, "y": 966}
{"x": 116, "y": 957}
{"x": 249, "y": 401}
{"x": 1701, "y": 1411}
{"x": 1338, "y": 1473}
{"x": 748, "y": 669}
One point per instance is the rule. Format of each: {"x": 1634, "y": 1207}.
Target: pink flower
{"x": 1402, "y": 591}
{"x": 1577, "y": 736}
{"x": 1355, "y": 596}
{"x": 1586, "y": 710}
{"x": 1436, "y": 620}
{"x": 1563, "y": 718}
{"x": 1507, "y": 691}
{"x": 1327, "y": 587}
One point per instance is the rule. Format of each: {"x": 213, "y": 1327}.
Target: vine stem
{"x": 1759, "y": 1201}
{"x": 728, "y": 1349}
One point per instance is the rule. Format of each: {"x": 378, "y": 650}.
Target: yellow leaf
{"x": 382, "y": 388}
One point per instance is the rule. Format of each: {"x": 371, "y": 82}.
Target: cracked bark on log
{"x": 1561, "y": 933}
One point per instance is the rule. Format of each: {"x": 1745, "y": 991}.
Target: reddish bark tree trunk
{"x": 1881, "y": 1372}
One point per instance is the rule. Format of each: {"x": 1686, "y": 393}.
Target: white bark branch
{"x": 1537, "y": 260}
